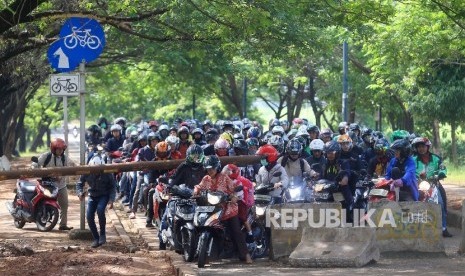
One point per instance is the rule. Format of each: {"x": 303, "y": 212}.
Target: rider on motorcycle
{"x": 269, "y": 167}
{"x": 427, "y": 165}
{"x": 405, "y": 163}
{"x": 215, "y": 180}
{"x": 293, "y": 162}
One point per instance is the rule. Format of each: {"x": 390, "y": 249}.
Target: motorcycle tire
{"x": 261, "y": 250}
{"x": 46, "y": 218}
{"x": 19, "y": 223}
{"x": 204, "y": 241}
{"x": 188, "y": 244}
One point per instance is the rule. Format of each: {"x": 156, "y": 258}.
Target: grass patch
{"x": 455, "y": 175}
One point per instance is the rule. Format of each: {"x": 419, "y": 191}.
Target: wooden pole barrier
{"x": 121, "y": 167}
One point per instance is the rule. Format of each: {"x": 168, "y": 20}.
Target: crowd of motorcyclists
{"x": 290, "y": 151}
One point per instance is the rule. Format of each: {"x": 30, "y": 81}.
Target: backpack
{"x": 284, "y": 162}
{"x": 49, "y": 157}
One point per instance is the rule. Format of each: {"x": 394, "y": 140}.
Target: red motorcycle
{"x": 381, "y": 190}
{"x": 35, "y": 201}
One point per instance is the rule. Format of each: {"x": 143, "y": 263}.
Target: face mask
{"x": 263, "y": 162}
{"x": 103, "y": 125}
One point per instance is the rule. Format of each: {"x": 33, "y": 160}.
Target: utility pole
{"x": 345, "y": 82}
{"x": 244, "y": 98}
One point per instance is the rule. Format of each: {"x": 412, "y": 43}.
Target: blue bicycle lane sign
{"x": 81, "y": 40}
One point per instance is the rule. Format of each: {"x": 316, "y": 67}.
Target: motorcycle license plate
{"x": 338, "y": 197}
{"x": 204, "y": 209}
{"x": 379, "y": 192}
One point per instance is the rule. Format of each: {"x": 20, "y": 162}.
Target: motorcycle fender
{"x": 52, "y": 202}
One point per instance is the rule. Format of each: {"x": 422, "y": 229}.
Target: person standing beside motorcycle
{"x": 56, "y": 158}
{"x": 403, "y": 161}
{"x": 102, "y": 192}
{"x": 215, "y": 180}
{"x": 428, "y": 165}
{"x": 270, "y": 167}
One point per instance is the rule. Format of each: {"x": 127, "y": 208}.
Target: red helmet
{"x": 421, "y": 140}
{"x": 232, "y": 171}
{"x": 57, "y": 143}
{"x": 269, "y": 151}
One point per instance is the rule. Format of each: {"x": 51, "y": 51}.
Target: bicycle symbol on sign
{"x": 84, "y": 38}
{"x": 64, "y": 84}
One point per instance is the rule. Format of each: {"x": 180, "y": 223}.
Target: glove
{"x": 441, "y": 175}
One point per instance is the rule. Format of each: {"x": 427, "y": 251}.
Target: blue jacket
{"x": 409, "y": 178}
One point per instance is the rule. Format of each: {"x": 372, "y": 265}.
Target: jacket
{"x": 99, "y": 185}
{"x": 409, "y": 178}
{"x": 56, "y": 162}
{"x": 265, "y": 175}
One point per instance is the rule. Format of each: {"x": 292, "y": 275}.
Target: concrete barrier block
{"x": 336, "y": 247}
{"x": 284, "y": 237}
{"x": 417, "y": 226}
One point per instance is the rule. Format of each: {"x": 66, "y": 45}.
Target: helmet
{"x": 240, "y": 147}
{"x": 221, "y": 144}
{"x": 326, "y": 132}
{"x": 291, "y": 134}
{"x": 197, "y": 130}
{"x": 228, "y": 137}
{"x": 344, "y": 138}
{"x": 421, "y": 140}
{"x": 232, "y": 171}
{"x": 93, "y": 129}
{"x": 183, "y": 129}
{"x": 278, "y": 130}
{"x": 342, "y": 127}
{"x": 269, "y": 152}
{"x": 252, "y": 142}
{"x": 399, "y": 134}
{"x": 314, "y": 128}
{"x": 277, "y": 142}
{"x": 228, "y": 124}
{"x": 274, "y": 122}
{"x": 142, "y": 137}
{"x": 120, "y": 120}
{"x": 194, "y": 154}
{"x": 153, "y": 123}
{"x": 380, "y": 148}
{"x": 173, "y": 141}
{"x": 297, "y": 121}
{"x": 317, "y": 144}
{"x": 238, "y": 136}
{"x": 212, "y": 162}
{"x": 116, "y": 127}
{"x": 57, "y": 143}
{"x": 211, "y": 134}
{"x": 332, "y": 146}
{"x": 284, "y": 124}
{"x": 96, "y": 161}
{"x": 367, "y": 131}
{"x": 403, "y": 146}
{"x": 354, "y": 126}
{"x": 164, "y": 127}
{"x": 163, "y": 150}
{"x": 294, "y": 147}
{"x": 254, "y": 132}
{"x": 302, "y": 140}
{"x": 134, "y": 135}
{"x": 207, "y": 123}
{"x": 102, "y": 122}
{"x": 153, "y": 136}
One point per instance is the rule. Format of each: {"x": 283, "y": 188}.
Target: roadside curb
{"x": 150, "y": 238}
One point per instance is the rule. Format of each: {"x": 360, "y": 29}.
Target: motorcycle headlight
{"x": 260, "y": 210}
{"x": 294, "y": 192}
{"x": 213, "y": 199}
{"x": 47, "y": 193}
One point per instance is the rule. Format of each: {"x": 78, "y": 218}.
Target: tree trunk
{"x": 436, "y": 139}
{"x": 453, "y": 126}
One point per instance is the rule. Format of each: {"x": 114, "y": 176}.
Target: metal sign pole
{"x": 65, "y": 128}
{"x": 82, "y": 80}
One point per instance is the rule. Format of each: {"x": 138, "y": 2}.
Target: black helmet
{"x": 332, "y": 146}
{"x": 211, "y": 134}
{"x": 354, "y": 126}
{"x": 93, "y": 129}
{"x": 212, "y": 161}
{"x": 142, "y": 137}
{"x": 240, "y": 147}
{"x": 402, "y": 145}
{"x": 294, "y": 147}
{"x": 238, "y": 136}
{"x": 194, "y": 154}
{"x": 153, "y": 136}
{"x": 313, "y": 128}
{"x": 207, "y": 123}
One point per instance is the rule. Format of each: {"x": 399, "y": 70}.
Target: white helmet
{"x": 96, "y": 161}
{"x": 317, "y": 144}
{"x": 116, "y": 127}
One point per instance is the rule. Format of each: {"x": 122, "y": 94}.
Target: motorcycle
{"x": 257, "y": 219}
{"x": 298, "y": 190}
{"x": 428, "y": 190}
{"x": 35, "y": 201}
{"x": 207, "y": 220}
{"x": 180, "y": 233}
{"x": 325, "y": 190}
{"x": 361, "y": 196}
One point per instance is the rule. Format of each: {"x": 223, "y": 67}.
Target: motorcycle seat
{"x": 27, "y": 187}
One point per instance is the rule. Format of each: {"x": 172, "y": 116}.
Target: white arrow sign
{"x": 63, "y": 60}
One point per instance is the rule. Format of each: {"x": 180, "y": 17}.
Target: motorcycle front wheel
{"x": 204, "y": 241}
{"x": 46, "y": 218}
{"x": 188, "y": 244}
{"x": 19, "y": 223}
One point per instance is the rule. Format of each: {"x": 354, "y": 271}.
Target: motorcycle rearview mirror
{"x": 35, "y": 159}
